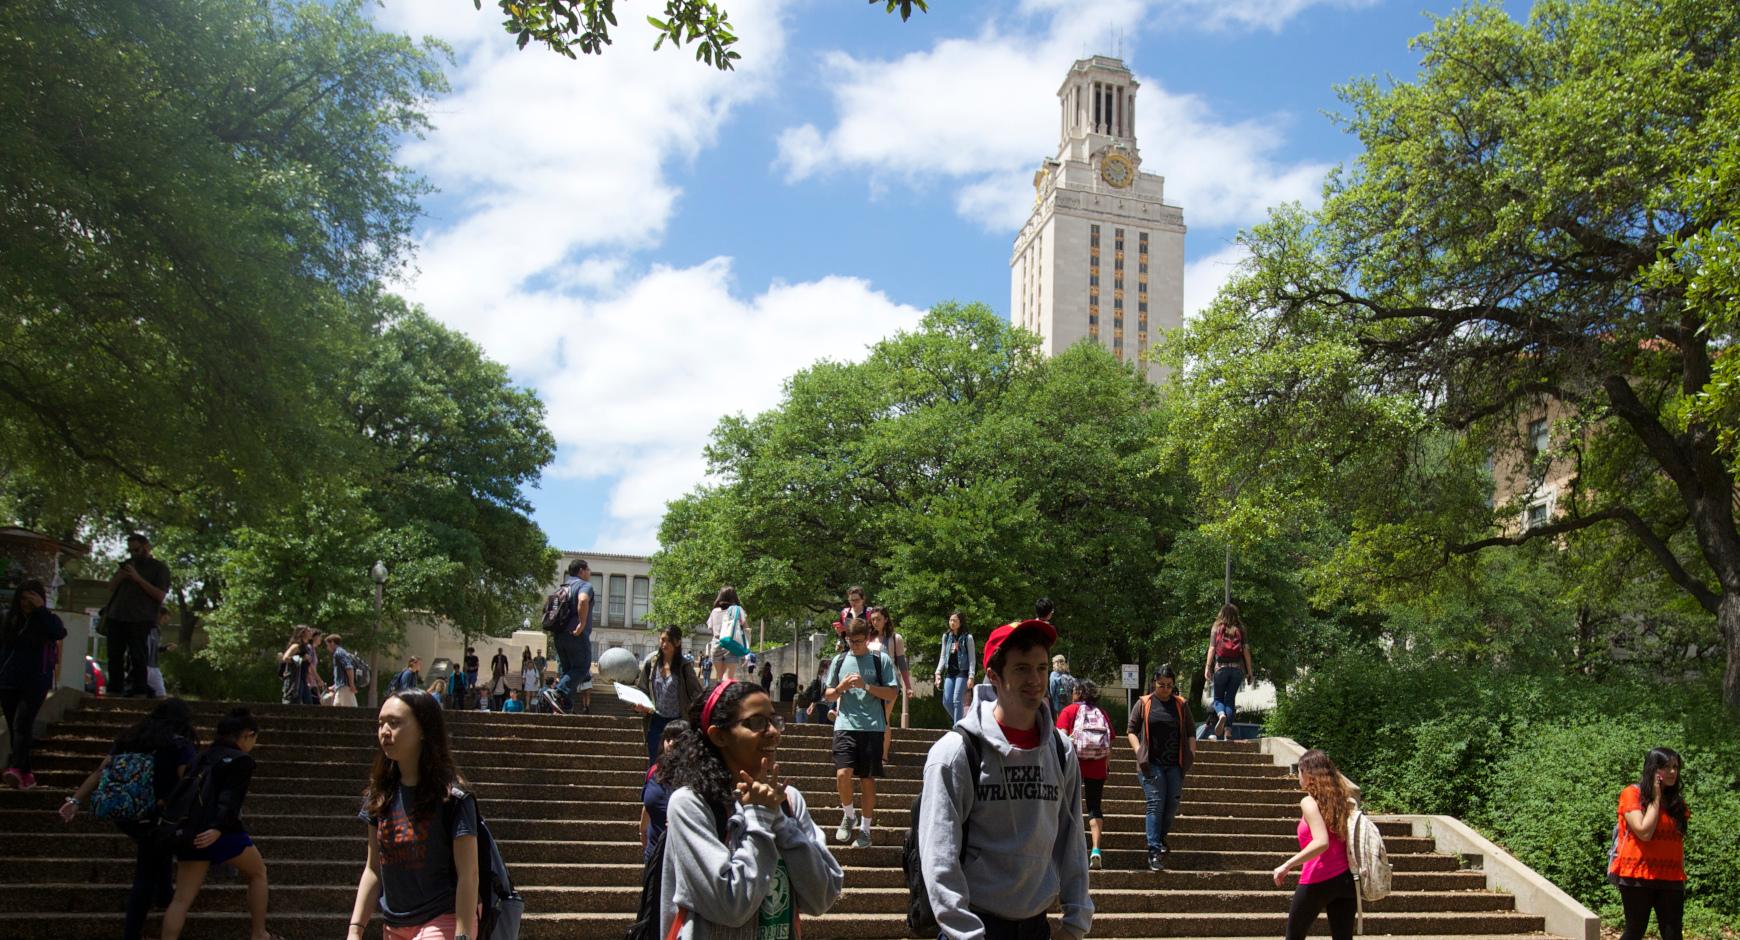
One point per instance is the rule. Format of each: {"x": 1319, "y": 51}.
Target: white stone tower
{"x": 1102, "y": 255}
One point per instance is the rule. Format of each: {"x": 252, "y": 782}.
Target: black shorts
{"x": 1093, "y": 793}
{"x": 858, "y": 751}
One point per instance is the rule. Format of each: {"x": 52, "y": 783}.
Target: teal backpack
{"x": 127, "y": 790}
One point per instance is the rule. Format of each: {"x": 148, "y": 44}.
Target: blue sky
{"x": 652, "y": 244}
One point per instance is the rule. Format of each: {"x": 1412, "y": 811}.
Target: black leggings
{"x": 1669, "y": 905}
{"x": 153, "y": 881}
{"x": 1337, "y": 895}
{"x": 21, "y": 706}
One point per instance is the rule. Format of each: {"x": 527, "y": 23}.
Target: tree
{"x": 438, "y": 496}
{"x": 567, "y": 25}
{"x": 1534, "y": 218}
{"x": 954, "y": 468}
{"x": 199, "y": 201}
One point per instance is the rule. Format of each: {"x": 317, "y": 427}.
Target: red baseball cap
{"x": 1002, "y": 634}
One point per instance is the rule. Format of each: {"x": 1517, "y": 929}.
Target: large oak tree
{"x": 1544, "y": 213}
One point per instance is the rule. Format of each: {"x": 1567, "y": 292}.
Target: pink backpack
{"x": 1092, "y": 734}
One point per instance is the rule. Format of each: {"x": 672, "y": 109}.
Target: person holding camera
{"x": 293, "y": 666}
{"x": 136, "y": 592}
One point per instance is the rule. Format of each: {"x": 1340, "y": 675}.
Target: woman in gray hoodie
{"x": 743, "y": 859}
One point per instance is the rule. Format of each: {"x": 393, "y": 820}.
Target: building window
{"x": 1539, "y": 513}
{"x": 1537, "y": 437}
{"x": 642, "y": 600}
{"x": 618, "y": 597}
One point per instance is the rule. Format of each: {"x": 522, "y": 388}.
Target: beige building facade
{"x": 624, "y": 597}
{"x": 1542, "y": 427}
{"x": 1102, "y": 256}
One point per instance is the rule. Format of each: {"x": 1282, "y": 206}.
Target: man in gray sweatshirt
{"x": 1020, "y": 820}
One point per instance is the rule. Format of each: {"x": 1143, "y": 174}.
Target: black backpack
{"x": 187, "y": 811}
{"x": 652, "y": 874}
{"x": 920, "y": 918}
{"x": 560, "y": 607}
{"x": 502, "y": 905}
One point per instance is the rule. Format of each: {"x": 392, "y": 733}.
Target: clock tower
{"x": 1102, "y": 256}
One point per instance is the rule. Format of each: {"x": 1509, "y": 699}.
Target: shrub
{"x": 1536, "y": 761}
{"x": 189, "y": 676}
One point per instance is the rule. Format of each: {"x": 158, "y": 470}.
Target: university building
{"x": 1102, "y": 256}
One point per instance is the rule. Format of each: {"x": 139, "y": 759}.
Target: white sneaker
{"x": 847, "y": 824}
{"x": 863, "y": 840}
{"x": 1220, "y": 727}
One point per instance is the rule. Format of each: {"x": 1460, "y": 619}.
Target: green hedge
{"x": 189, "y": 676}
{"x": 1535, "y": 762}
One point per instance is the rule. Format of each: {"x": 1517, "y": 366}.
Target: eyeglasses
{"x": 759, "y": 724}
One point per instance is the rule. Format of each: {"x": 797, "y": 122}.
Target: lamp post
{"x": 379, "y": 573}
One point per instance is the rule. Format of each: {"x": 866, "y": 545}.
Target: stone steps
{"x": 562, "y": 797}
{"x": 621, "y": 803}
{"x": 344, "y": 869}
{"x": 229, "y": 925}
{"x": 96, "y": 898}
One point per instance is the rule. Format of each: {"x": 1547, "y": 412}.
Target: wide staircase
{"x": 562, "y": 796}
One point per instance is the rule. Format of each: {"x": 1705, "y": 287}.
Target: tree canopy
{"x": 199, "y": 203}
{"x": 1539, "y": 216}
{"x": 201, "y": 206}
{"x": 567, "y": 26}
{"x": 953, "y": 468}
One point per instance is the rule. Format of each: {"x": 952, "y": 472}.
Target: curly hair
{"x": 1319, "y": 777}
{"x": 695, "y": 762}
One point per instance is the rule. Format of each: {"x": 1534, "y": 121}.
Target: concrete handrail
{"x": 1286, "y": 753}
{"x": 1504, "y": 872}
{"x": 1564, "y": 915}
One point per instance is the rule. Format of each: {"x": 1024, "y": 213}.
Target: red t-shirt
{"x": 1090, "y": 769}
{"x": 1024, "y": 740}
{"x": 1662, "y": 858}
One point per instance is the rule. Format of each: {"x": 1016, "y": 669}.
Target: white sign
{"x": 1132, "y": 676}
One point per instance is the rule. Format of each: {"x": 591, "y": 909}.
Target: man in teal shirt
{"x": 859, "y": 682}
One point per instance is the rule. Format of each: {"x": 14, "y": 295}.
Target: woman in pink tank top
{"x": 1325, "y": 882}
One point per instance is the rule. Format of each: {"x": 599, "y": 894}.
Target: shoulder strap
{"x": 721, "y": 821}
{"x": 970, "y": 750}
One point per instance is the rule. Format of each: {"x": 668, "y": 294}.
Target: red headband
{"x": 707, "y": 711}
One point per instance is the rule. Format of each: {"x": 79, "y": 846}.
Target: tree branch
{"x": 1664, "y": 555}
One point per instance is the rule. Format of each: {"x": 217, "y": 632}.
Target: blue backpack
{"x": 127, "y": 790}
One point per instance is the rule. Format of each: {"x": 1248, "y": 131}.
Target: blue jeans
{"x": 574, "y": 658}
{"x": 954, "y": 696}
{"x": 1227, "y": 680}
{"x": 655, "y": 734}
{"x": 1162, "y": 786}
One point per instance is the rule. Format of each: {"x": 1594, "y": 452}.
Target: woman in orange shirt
{"x": 1649, "y": 848}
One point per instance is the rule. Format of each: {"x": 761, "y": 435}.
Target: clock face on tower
{"x": 1117, "y": 170}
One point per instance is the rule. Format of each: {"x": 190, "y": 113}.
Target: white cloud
{"x": 554, "y": 175}
{"x": 542, "y": 158}
{"x": 1204, "y": 277}
{"x": 647, "y": 373}
{"x": 979, "y": 113}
